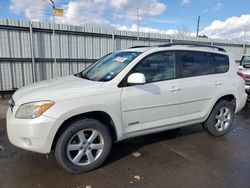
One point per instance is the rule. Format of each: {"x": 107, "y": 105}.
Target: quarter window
{"x": 157, "y": 67}
{"x": 220, "y": 63}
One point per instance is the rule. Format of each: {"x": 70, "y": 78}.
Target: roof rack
{"x": 191, "y": 44}
{"x": 139, "y": 47}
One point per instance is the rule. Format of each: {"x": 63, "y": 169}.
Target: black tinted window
{"x": 220, "y": 63}
{"x": 157, "y": 67}
{"x": 194, "y": 63}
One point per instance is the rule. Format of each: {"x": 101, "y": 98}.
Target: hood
{"x": 56, "y": 89}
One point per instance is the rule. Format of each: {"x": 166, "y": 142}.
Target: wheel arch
{"x": 98, "y": 115}
{"x": 228, "y": 97}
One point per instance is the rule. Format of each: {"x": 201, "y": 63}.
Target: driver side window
{"x": 157, "y": 67}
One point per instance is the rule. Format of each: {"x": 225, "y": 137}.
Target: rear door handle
{"x": 174, "y": 89}
{"x": 217, "y": 83}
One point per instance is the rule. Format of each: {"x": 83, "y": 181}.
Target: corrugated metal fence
{"x": 26, "y": 49}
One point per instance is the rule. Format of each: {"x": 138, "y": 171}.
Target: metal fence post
{"x": 54, "y": 71}
{"x": 32, "y": 54}
{"x": 113, "y": 41}
{"x": 244, "y": 47}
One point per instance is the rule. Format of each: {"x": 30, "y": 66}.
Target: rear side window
{"x": 194, "y": 63}
{"x": 220, "y": 63}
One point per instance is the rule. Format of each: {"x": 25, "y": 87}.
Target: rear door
{"x": 199, "y": 84}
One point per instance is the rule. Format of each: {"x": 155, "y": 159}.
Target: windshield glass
{"x": 109, "y": 66}
{"x": 245, "y": 60}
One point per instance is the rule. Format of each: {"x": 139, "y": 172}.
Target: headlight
{"x": 33, "y": 110}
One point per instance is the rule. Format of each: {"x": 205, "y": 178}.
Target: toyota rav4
{"x": 125, "y": 94}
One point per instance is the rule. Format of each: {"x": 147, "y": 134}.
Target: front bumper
{"x": 30, "y": 134}
{"x": 247, "y": 88}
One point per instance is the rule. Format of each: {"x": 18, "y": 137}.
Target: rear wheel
{"x": 84, "y": 146}
{"x": 221, "y": 119}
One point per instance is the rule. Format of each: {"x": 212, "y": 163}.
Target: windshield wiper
{"x": 87, "y": 78}
{"x": 77, "y": 74}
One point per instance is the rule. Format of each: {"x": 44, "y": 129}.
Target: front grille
{"x": 247, "y": 81}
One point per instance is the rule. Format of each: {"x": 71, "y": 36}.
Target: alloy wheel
{"x": 85, "y": 147}
{"x": 223, "y": 119}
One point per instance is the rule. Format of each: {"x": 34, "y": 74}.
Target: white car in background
{"x": 245, "y": 70}
{"x": 125, "y": 94}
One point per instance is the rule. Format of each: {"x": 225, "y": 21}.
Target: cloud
{"x": 205, "y": 11}
{"x": 33, "y": 10}
{"x": 118, "y": 3}
{"x": 91, "y": 12}
{"x": 162, "y": 21}
{"x": 133, "y": 27}
{"x": 219, "y": 6}
{"x": 231, "y": 28}
{"x": 127, "y": 9}
{"x": 185, "y": 2}
{"x": 84, "y": 13}
{"x": 94, "y": 12}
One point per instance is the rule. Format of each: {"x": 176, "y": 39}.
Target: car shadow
{"x": 131, "y": 145}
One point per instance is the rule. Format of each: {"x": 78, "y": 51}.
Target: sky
{"x": 222, "y": 19}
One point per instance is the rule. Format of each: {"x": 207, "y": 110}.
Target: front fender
{"x": 64, "y": 110}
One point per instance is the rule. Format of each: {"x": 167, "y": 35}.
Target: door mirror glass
{"x": 136, "y": 79}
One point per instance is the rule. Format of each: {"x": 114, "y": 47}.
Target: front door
{"x": 156, "y": 103}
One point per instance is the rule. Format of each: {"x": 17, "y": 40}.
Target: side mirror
{"x": 136, "y": 79}
{"x": 241, "y": 67}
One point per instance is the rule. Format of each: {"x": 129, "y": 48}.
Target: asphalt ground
{"x": 188, "y": 157}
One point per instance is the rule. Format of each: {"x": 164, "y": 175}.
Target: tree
{"x": 182, "y": 32}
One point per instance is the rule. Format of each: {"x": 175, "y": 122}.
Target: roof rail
{"x": 139, "y": 47}
{"x": 191, "y": 44}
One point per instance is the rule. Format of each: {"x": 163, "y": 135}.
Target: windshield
{"x": 245, "y": 60}
{"x": 109, "y": 66}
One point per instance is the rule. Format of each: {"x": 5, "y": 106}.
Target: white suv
{"x": 125, "y": 94}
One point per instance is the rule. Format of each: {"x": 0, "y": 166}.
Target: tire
{"x": 220, "y": 119}
{"x": 83, "y": 146}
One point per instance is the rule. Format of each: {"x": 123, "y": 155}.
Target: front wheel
{"x": 84, "y": 146}
{"x": 221, "y": 118}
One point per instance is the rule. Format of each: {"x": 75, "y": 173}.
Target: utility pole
{"x": 198, "y": 26}
{"x": 54, "y": 71}
{"x": 32, "y": 54}
{"x": 138, "y": 25}
{"x": 56, "y": 12}
{"x": 54, "y": 39}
